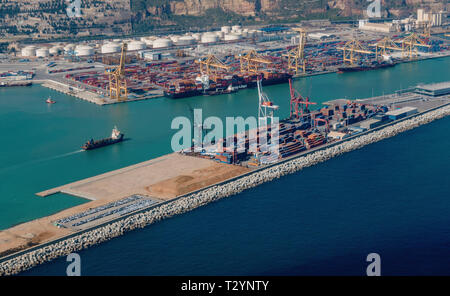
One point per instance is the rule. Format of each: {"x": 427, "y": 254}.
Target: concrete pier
{"x": 88, "y": 95}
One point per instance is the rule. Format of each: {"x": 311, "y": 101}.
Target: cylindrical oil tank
{"x": 111, "y": 47}
{"x": 197, "y": 36}
{"x": 220, "y": 34}
{"x": 186, "y": 40}
{"x": 209, "y": 38}
{"x": 29, "y": 51}
{"x": 56, "y": 50}
{"x": 69, "y": 48}
{"x": 137, "y": 45}
{"x": 84, "y": 50}
{"x": 162, "y": 42}
{"x": 42, "y": 52}
{"x": 226, "y": 29}
{"x": 174, "y": 38}
{"x": 236, "y": 28}
{"x": 232, "y": 36}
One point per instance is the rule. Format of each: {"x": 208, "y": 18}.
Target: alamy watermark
{"x": 374, "y": 8}
{"x": 74, "y": 268}
{"x": 374, "y": 268}
{"x": 74, "y": 8}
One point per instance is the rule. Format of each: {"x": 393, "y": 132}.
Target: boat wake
{"x": 21, "y": 165}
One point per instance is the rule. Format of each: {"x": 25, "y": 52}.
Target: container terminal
{"x": 159, "y": 183}
{"x": 220, "y": 62}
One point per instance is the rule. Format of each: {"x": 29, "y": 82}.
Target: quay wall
{"x": 76, "y": 242}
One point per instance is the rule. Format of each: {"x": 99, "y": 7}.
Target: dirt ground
{"x": 162, "y": 178}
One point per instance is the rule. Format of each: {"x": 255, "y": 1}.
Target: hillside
{"x": 48, "y": 18}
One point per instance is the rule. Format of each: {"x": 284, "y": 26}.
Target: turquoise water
{"x": 41, "y": 150}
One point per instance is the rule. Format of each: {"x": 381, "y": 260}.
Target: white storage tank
{"x": 220, "y": 34}
{"x": 226, "y": 29}
{"x": 209, "y": 38}
{"x": 174, "y": 38}
{"x": 186, "y": 40}
{"x": 69, "y": 47}
{"x": 111, "y": 47}
{"x": 197, "y": 36}
{"x": 233, "y": 36}
{"x": 136, "y": 45}
{"x": 84, "y": 50}
{"x": 252, "y": 33}
{"x": 236, "y": 28}
{"x": 148, "y": 41}
{"x": 162, "y": 42}
{"x": 29, "y": 51}
{"x": 42, "y": 52}
{"x": 56, "y": 50}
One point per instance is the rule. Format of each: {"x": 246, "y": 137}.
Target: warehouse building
{"x": 434, "y": 90}
{"x": 401, "y": 113}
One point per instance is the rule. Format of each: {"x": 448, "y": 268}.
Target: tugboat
{"x": 116, "y": 137}
{"x": 50, "y": 101}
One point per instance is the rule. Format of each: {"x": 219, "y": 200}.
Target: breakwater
{"x": 190, "y": 202}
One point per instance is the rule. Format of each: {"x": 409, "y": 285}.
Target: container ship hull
{"x": 364, "y": 68}
{"x": 102, "y": 143}
{"x": 182, "y": 94}
{"x": 283, "y": 78}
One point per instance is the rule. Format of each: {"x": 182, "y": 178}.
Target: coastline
{"x": 18, "y": 262}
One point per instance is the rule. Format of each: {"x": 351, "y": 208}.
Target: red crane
{"x": 296, "y": 100}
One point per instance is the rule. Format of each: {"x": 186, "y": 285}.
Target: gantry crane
{"x": 382, "y": 45}
{"x": 209, "y": 65}
{"x": 297, "y": 102}
{"x": 350, "y": 48}
{"x": 410, "y": 45}
{"x": 266, "y": 107}
{"x": 117, "y": 81}
{"x": 250, "y": 61}
{"x": 296, "y": 56}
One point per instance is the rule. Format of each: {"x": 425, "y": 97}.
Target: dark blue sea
{"x": 390, "y": 198}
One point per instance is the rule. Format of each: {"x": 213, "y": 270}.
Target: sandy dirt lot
{"x": 162, "y": 178}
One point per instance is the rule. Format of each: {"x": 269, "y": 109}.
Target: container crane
{"x": 209, "y": 65}
{"x": 350, "y": 48}
{"x": 297, "y": 103}
{"x": 410, "y": 45}
{"x": 383, "y": 45}
{"x": 250, "y": 61}
{"x": 117, "y": 81}
{"x": 266, "y": 107}
{"x": 296, "y": 56}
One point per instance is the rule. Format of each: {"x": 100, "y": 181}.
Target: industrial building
{"x": 434, "y": 18}
{"x": 376, "y": 27}
{"x": 434, "y": 90}
{"x": 401, "y": 113}
{"x": 370, "y": 123}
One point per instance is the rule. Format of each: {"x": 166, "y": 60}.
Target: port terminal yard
{"x": 176, "y": 73}
{"x": 116, "y": 195}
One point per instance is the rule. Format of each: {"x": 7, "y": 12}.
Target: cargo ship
{"x": 116, "y": 137}
{"x": 223, "y": 85}
{"x": 358, "y": 68}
